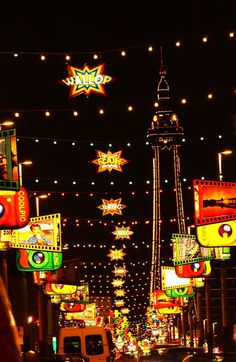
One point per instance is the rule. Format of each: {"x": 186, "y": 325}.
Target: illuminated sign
{"x": 41, "y": 233}
{"x": 123, "y": 232}
{"x": 125, "y": 310}
{"x": 86, "y": 80}
{"x": 170, "y": 310}
{"x": 119, "y": 292}
{"x": 51, "y": 288}
{"x": 117, "y": 283}
{"x": 116, "y": 254}
{"x": 119, "y": 303}
{"x": 88, "y": 315}
{"x": 191, "y": 270}
{"x": 161, "y": 300}
{"x": 214, "y": 201}
{"x": 187, "y": 250}
{"x": 111, "y": 207}
{"x": 186, "y": 292}
{"x": 14, "y": 209}
{"x": 217, "y": 234}
{"x": 31, "y": 260}
{"x": 9, "y": 172}
{"x": 109, "y": 161}
{"x": 170, "y": 279}
{"x": 120, "y": 271}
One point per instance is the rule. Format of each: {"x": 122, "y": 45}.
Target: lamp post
{"x": 220, "y": 154}
{"x": 40, "y": 294}
{"x": 225, "y": 322}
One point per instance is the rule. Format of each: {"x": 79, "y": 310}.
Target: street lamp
{"x": 27, "y": 163}
{"x": 220, "y": 154}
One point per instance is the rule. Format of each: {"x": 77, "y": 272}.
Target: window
{"x": 94, "y": 344}
{"x": 72, "y": 345}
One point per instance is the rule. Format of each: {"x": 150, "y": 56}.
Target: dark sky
{"x": 31, "y": 86}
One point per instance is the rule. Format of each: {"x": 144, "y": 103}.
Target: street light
{"x": 220, "y": 154}
{"x": 27, "y": 163}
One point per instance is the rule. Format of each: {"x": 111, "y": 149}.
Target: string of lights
{"x": 204, "y": 39}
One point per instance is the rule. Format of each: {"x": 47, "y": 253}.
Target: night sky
{"x": 195, "y": 69}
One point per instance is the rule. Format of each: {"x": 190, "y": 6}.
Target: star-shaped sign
{"x": 116, "y": 254}
{"x": 86, "y": 80}
{"x": 117, "y": 283}
{"x": 123, "y": 232}
{"x": 109, "y": 161}
{"x": 111, "y": 207}
{"x": 125, "y": 310}
{"x": 119, "y": 292}
{"x": 119, "y": 303}
{"x": 120, "y": 271}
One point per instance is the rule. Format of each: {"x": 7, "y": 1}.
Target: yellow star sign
{"x": 120, "y": 271}
{"x": 109, "y": 161}
{"x": 123, "y": 232}
{"x": 111, "y": 207}
{"x": 116, "y": 254}
{"x": 117, "y": 283}
{"x": 119, "y": 303}
{"x": 86, "y": 80}
{"x": 125, "y": 310}
{"x": 119, "y": 292}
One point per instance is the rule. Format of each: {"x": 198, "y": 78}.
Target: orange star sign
{"x": 109, "y": 161}
{"x": 111, "y": 207}
{"x": 86, "y": 80}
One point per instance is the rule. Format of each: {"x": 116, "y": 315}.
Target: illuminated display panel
{"x": 187, "y": 250}
{"x": 170, "y": 280}
{"x": 192, "y": 270}
{"x": 220, "y": 234}
{"x": 161, "y": 300}
{"x": 37, "y": 260}
{"x": 14, "y": 208}
{"x": 9, "y": 172}
{"x": 41, "y": 233}
{"x": 214, "y": 201}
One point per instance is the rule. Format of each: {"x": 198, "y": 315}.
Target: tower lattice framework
{"x": 165, "y": 134}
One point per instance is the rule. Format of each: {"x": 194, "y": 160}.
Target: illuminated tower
{"x": 164, "y": 135}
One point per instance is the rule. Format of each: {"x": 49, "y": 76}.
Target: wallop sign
{"x": 86, "y": 80}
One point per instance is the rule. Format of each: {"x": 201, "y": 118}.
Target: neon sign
{"x": 86, "y": 80}
{"x": 111, "y": 207}
{"x": 123, "y": 232}
{"x": 109, "y": 161}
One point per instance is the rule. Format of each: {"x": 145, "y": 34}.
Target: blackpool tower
{"x": 164, "y": 135}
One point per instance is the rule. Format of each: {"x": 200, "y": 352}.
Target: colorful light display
{"x": 86, "y": 80}
{"x": 109, "y": 161}
{"x": 111, "y": 207}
